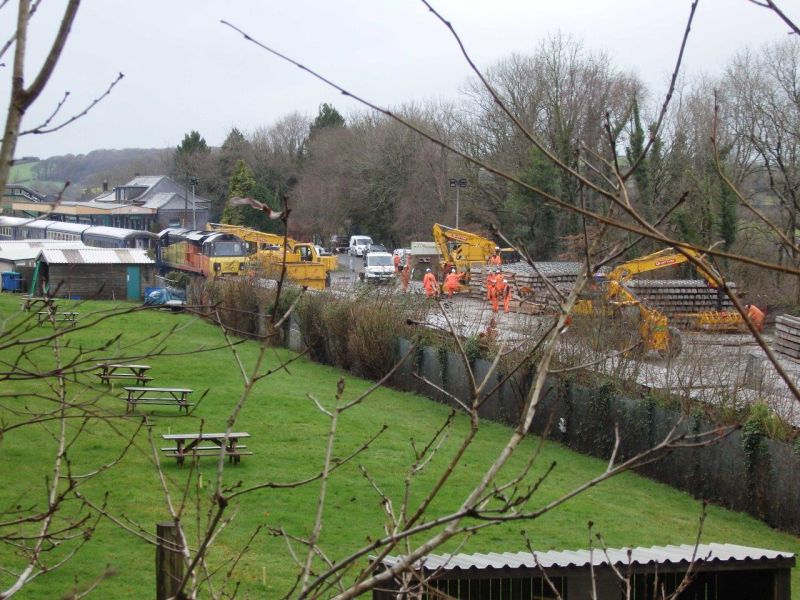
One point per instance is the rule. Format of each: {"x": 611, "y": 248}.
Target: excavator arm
{"x": 463, "y": 249}
{"x": 262, "y": 239}
{"x": 660, "y": 260}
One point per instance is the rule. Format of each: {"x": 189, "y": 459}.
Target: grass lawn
{"x": 23, "y": 174}
{"x": 289, "y": 440}
{"x": 20, "y": 173}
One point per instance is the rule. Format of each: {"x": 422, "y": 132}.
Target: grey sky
{"x": 184, "y": 70}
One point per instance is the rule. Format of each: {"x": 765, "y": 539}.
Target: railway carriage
{"x": 19, "y": 228}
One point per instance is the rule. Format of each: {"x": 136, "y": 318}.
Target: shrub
{"x": 762, "y": 422}
{"x": 242, "y": 304}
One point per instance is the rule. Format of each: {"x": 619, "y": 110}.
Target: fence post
{"x": 169, "y": 561}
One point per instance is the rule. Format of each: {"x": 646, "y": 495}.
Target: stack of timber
{"x": 673, "y": 297}
{"x": 787, "y": 336}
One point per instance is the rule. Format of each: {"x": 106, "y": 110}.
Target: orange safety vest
{"x": 490, "y": 279}
{"x": 500, "y": 284}
{"x": 756, "y": 316}
{"x": 495, "y": 260}
{"x": 452, "y": 280}
{"x": 429, "y": 281}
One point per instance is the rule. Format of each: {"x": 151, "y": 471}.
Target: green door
{"x": 134, "y": 289}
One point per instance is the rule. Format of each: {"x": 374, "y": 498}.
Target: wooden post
{"x": 169, "y": 561}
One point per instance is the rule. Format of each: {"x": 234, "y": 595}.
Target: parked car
{"x": 323, "y": 251}
{"x": 359, "y": 244}
{"x": 377, "y": 248}
{"x": 339, "y": 244}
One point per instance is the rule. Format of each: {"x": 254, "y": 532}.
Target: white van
{"x": 359, "y": 244}
{"x": 379, "y": 268}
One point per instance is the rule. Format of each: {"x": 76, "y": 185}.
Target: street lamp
{"x": 193, "y": 181}
{"x": 458, "y": 184}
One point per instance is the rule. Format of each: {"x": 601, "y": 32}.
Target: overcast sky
{"x": 184, "y": 70}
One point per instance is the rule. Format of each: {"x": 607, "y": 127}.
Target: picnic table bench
{"x": 28, "y": 301}
{"x": 53, "y": 317}
{"x": 189, "y": 444}
{"x": 108, "y": 371}
{"x": 158, "y": 395}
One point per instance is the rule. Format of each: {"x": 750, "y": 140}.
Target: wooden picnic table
{"x": 28, "y": 301}
{"x": 158, "y": 395}
{"x": 189, "y": 444}
{"x": 108, "y": 371}
{"x": 53, "y": 317}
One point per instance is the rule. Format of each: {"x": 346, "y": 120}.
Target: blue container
{"x": 12, "y": 281}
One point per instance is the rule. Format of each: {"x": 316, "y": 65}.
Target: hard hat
{"x": 427, "y": 270}
{"x": 453, "y": 270}
{"x": 497, "y": 270}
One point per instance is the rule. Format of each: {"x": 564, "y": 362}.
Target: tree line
{"x": 369, "y": 174}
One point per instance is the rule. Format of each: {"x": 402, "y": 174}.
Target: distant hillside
{"x": 86, "y": 172}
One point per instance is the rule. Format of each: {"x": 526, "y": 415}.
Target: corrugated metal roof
{"x": 29, "y": 249}
{"x": 96, "y": 256}
{"x": 655, "y": 555}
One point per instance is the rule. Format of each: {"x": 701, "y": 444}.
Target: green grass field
{"x": 21, "y": 173}
{"x": 289, "y": 439}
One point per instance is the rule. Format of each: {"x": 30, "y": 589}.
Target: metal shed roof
{"x": 11, "y": 251}
{"x": 95, "y": 256}
{"x": 656, "y": 555}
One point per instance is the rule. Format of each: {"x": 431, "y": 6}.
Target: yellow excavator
{"x": 710, "y": 320}
{"x": 462, "y": 249}
{"x": 304, "y": 264}
{"x": 653, "y": 326}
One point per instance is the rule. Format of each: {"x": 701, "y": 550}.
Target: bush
{"x": 180, "y": 279}
{"x": 243, "y": 306}
{"x": 762, "y": 422}
{"x": 356, "y": 333}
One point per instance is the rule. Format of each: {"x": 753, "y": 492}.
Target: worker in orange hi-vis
{"x": 430, "y": 284}
{"x": 452, "y": 282}
{"x": 495, "y": 260}
{"x": 396, "y": 263}
{"x": 756, "y": 316}
{"x": 490, "y": 284}
{"x": 506, "y": 294}
{"x": 405, "y": 276}
{"x": 500, "y": 287}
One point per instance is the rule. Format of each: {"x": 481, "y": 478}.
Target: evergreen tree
{"x": 327, "y": 116}
{"x": 234, "y": 148}
{"x": 243, "y": 184}
{"x": 727, "y": 221}
{"x": 527, "y": 216}
{"x": 635, "y": 149}
{"x": 192, "y": 143}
